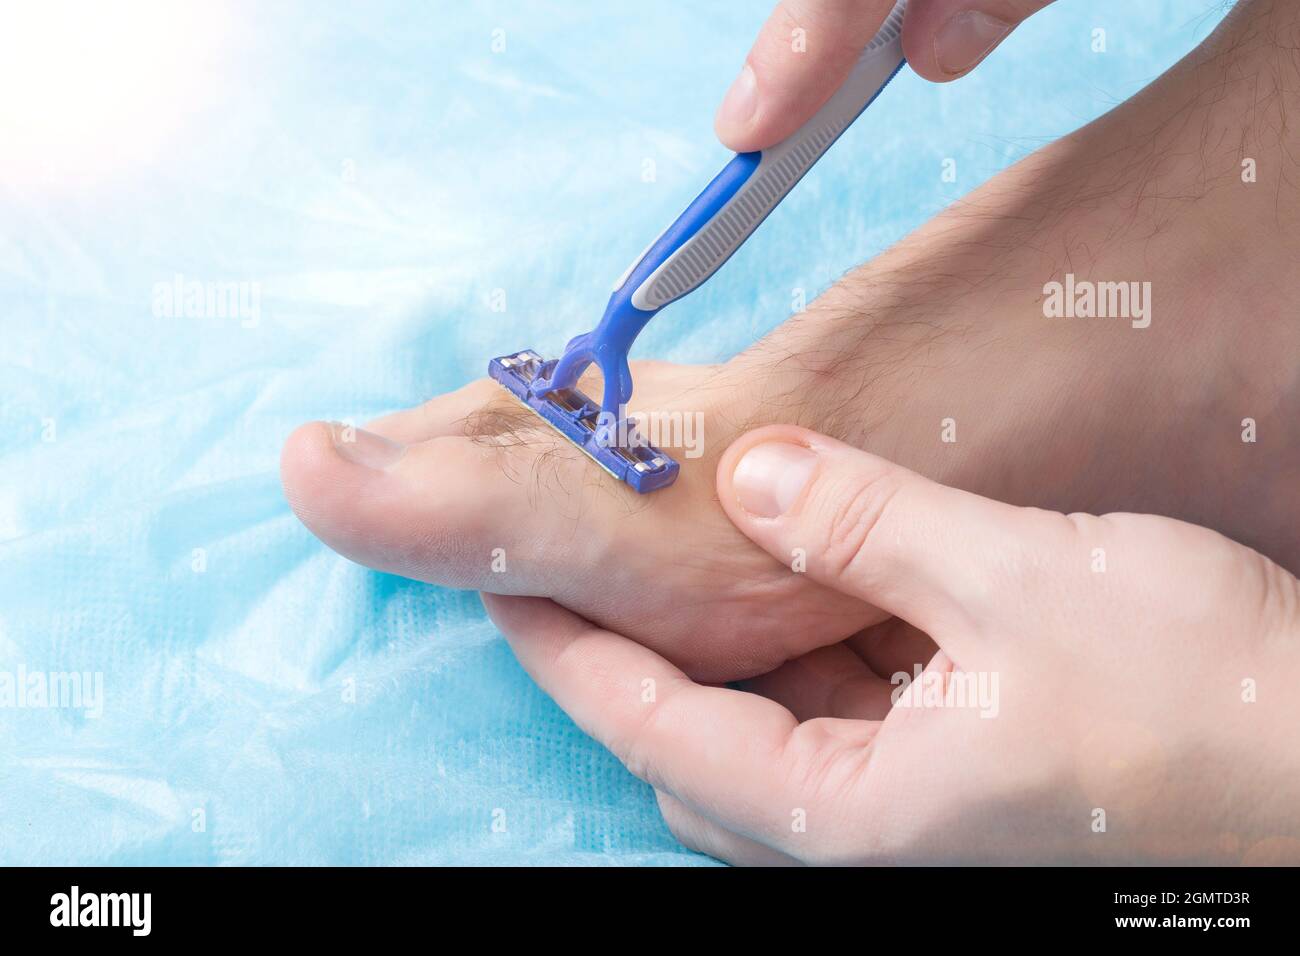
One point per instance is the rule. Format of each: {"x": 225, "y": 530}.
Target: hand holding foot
{"x": 1103, "y": 685}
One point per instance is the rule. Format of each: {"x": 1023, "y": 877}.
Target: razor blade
{"x": 684, "y": 256}
{"x": 617, "y": 446}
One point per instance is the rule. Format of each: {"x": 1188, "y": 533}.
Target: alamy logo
{"x": 1083, "y": 299}
{"x": 102, "y": 909}
{"x": 192, "y": 299}
{"x": 655, "y": 429}
{"x": 37, "y": 690}
{"x": 922, "y": 689}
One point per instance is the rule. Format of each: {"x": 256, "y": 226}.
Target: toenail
{"x": 365, "y": 448}
{"x": 770, "y": 477}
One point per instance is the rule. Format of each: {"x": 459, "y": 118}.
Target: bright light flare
{"x": 87, "y": 86}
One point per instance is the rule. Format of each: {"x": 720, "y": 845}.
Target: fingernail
{"x": 770, "y": 477}
{"x": 741, "y": 100}
{"x": 365, "y": 448}
{"x": 966, "y": 39}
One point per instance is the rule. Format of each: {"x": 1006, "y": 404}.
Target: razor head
{"x": 619, "y": 449}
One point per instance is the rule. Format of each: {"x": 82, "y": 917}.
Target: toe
{"x": 449, "y": 510}
{"x": 450, "y": 414}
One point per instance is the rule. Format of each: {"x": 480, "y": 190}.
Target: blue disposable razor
{"x": 678, "y": 262}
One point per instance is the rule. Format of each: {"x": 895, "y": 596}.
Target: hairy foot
{"x": 938, "y": 355}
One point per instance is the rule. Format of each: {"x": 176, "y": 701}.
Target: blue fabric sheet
{"x": 372, "y": 174}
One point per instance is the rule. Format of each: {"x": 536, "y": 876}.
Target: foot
{"x": 937, "y": 355}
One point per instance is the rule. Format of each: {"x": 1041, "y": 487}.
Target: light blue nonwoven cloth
{"x": 375, "y": 178}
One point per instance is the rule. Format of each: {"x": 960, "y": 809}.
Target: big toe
{"x": 448, "y": 510}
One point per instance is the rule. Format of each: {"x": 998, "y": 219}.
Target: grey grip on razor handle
{"x": 779, "y": 169}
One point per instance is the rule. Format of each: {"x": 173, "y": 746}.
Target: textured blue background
{"x": 379, "y": 170}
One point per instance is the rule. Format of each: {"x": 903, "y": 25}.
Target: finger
{"x": 940, "y": 558}
{"x": 828, "y": 682}
{"x": 697, "y": 832}
{"x": 802, "y": 55}
{"x": 740, "y": 759}
{"x": 945, "y": 39}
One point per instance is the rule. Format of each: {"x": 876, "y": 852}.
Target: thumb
{"x": 802, "y": 55}
{"x": 973, "y": 572}
{"x": 940, "y": 558}
{"x": 806, "y": 49}
{"x": 945, "y": 39}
